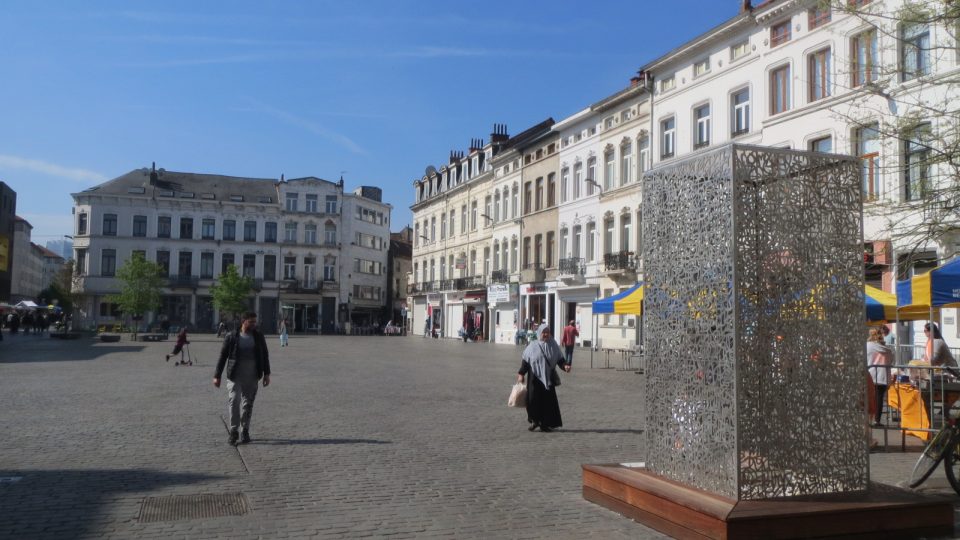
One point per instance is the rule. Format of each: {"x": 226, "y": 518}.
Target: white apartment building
{"x": 195, "y": 226}
{"x": 796, "y": 74}
{"x": 27, "y": 266}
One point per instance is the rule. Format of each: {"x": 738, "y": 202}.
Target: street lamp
{"x": 595, "y": 184}
{"x": 486, "y": 217}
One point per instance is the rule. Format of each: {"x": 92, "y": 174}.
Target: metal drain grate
{"x": 206, "y": 505}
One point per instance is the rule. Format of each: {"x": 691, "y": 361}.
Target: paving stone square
{"x": 381, "y": 437}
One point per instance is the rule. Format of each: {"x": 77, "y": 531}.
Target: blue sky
{"x": 373, "y": 90}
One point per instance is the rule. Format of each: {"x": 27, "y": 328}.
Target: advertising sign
{"x": 502, "y": 293}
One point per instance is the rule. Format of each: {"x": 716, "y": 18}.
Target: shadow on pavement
{"x": 318, "y": 441}
{"x": 565, "y": 430}
{"x": 72, "y": 351}
{"x": 71, "y": 503}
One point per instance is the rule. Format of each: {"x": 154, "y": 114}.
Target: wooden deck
{"x": 685, "y": 512}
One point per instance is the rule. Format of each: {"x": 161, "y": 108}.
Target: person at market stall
{"x": 879, "y": 360}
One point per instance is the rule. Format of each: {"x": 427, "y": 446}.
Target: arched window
{"x": 330, "y": 233}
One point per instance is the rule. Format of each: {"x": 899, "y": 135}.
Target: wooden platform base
{"x": 685, "y": 512}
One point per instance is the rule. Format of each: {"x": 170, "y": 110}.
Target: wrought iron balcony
{"x": 446, "y": 285}
{"x": 572, "y": 266}
{"x": 475, "y": 282}
{"x": 181, "y": 282}
{"x": 621, "y": 261}
{"x": 500, "y": 276}
{"x": 413, "y": 288}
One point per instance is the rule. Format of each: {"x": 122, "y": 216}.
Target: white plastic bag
{"x": 518, "y": 396}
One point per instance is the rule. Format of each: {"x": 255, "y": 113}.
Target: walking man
{"x": 244, "y": 353}
{"x": 568, "y": 341}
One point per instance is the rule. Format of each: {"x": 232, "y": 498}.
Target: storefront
{"x": 576, "y": 304}
{"x": 435, "y": 315}
{"x": 503, "y": 304}
{"x": 538, "y": 304}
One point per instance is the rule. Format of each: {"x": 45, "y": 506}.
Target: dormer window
{"x": 780, "y": 33}
{"x": 701, "y": 68}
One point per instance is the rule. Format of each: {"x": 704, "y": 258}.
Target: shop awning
{"x": 882, "y": 306}
{"x": 628, "y": 302}
{"x": 939, "y": 287}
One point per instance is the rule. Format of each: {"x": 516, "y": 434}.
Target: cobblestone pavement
{"x": 355, "y": 437}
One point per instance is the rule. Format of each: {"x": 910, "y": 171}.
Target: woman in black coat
{"x": 540, "y": 361}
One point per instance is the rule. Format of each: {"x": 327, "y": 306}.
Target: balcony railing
{"x": 189, "y": 282}
{"x": 500, "y": 276}
{"x": 466, "y": 283}
{"x": 572, "y": 266}
{"x": 621, "y": 260}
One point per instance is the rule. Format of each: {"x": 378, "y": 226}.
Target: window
{"x": 591, "y": 234}
{"x": 538, "y": 250}
{"x": 563, "y": 243}
{"x": 330, "y": 269}
{"x": 780, "y": 33}
{"x": 330, "y": 234}
{"x": 368, "y": 241}
{"x": 740, "y": 105}
{"x": 863, "y": 55}
{"x": 916, "y": 161}
{"x": 186, "y": 228}
{"x": 463, "y": 219}
{"x": 818, "y": 65}
{"x": 526, "y": 252}
{"x": 505, "y": 212}
{"x": 626, "y": 162}
{"x": 416, "y": 234}
{"x": 867, "y": 139}
{"x": 270, "y": 231}
{"x": 915, "y": 50}
{"x": 163, "y": 261}
{"x": 608, "y": 235}
{"x": 291, "y": 202}
{"x": 577, "y": 179}
{"x": 206, "y": 265}
{"x": 289, "y": 268}
{"x": 108, "y": 262}
{"x": 515, "y": 202}
{"x": 473, "y": 216}
{"x": 249, "y": 231}
{"x": 331, "y": 207}
{"x": 366, "y": 292}
{"x": 487, "y": 210}
{"x": 577, "y": 240}
{"x": 226, "y": 261}
{"x": 739, "y": 50}
{"x": 496, "y": 209}
{"x": 643, "y": 157}
{"x": 269, "y": 267}
{"x": 701, "y": 68}
{"x": 310, "y": 233}
{"x": 311, "y": 203}
{"x": 551, "y": 190}
{"x": 701, "y": 118}
{"x": 527, "y": 197}
{"x": 591, "y": 179}
{"x": 433, "y": 229}
{"x": 608, "y": 168}
{"x": 443, "y": 225}
{"x": 109, "y": 224}
{"x": 668, "y": 83}
{"x": 81, "y": 267}
{"x": 823, "y": 144}
{"x": 780, "y": 89}
{"x": 513, "y": 255}
{"x": 453, "y": 217}
{"x": 229, "y": 229}
{"x": 667, "y": 137}
{"x": 82, "y": 224}
{"x": 140, "y": 225}
{"x": 625, "y": 232}
{"x": 818, "y": 16}
{"x": 473, "y": 262}
{"x": 538, "y": 197}
{"x": 185, "y": 263}
{"x": 290, "y": 233}
{"x": 207, "y": 228}
{"x": 249, "y": 265}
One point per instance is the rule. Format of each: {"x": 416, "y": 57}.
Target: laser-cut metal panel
{"x": 753, "y": 322}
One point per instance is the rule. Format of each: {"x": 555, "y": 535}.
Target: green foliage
{"x": 231, "y": 291}
{"x": 140, "y": 285}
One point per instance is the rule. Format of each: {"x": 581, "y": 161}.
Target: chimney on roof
{"x": 153, "y": 174}
{"x": 634, "y": 81}
{"x": 499, "y": 133}
{"x": 746, "y": 6}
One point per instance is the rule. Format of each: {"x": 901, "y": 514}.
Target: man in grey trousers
{"x": 244, "y": 353}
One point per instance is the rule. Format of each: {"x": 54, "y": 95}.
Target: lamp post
{"x": 594, "y": 183}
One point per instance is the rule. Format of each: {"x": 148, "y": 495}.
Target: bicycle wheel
{"x": 931, "y": 457}
{"x": 951, "y": 462}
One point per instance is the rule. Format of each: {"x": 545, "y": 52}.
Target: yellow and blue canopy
{"x": 882, "y": 306}
{"x": 939, "y": 287}
{"x": 628, "y": 302}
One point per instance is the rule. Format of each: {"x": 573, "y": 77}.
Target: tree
{"x": 902, "y": 98}
{"x": 231, "y": 291}
{"x": 140, "y": 285}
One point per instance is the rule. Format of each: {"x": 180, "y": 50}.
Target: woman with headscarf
{"x": 540, "y": 361}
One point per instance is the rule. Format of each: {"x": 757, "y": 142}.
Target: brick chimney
{"x": 634, "y": 81}
{"x": 746, "y": 6}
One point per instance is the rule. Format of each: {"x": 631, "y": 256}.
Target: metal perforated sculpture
{"x": 753, "y": 322}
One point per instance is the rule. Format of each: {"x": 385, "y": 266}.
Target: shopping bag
{"x": 518, "y": 396}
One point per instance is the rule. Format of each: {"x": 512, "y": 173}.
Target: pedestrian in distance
{"x": 245, "y": 357}
{"x": 181, "y": 342}
{"x": 283, "y": 333}
{"x": 879, "y": 360}
{"x": 221, "y": 329}
{"x": 540, "y": 361}
{"x": 569, "y": 340}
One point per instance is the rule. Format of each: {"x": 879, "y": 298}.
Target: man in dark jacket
{"x": 244, "y": 353}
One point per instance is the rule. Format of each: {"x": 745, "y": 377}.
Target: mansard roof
{"x": 182, "y": 184}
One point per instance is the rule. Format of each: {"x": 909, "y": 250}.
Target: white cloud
{"x": 50, "y": 169}
{"x": 308, "y": 125}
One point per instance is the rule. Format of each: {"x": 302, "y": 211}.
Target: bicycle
{"x": 944, "y": 446}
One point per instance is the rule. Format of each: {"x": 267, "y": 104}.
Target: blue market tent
{"x": 939, "y": 287}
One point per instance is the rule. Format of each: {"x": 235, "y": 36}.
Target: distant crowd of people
{"x": 31, "y": 322}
